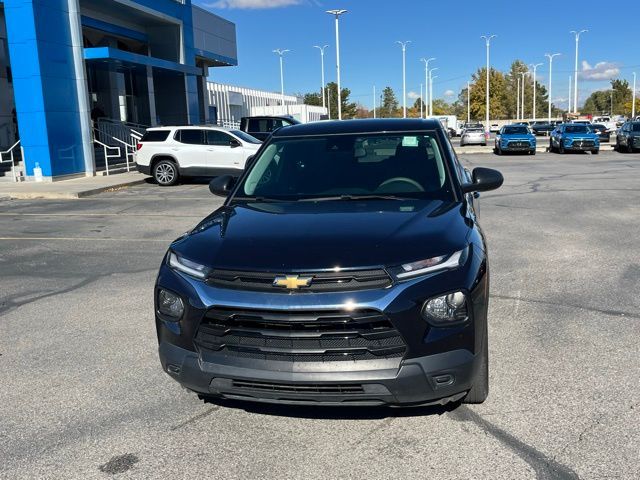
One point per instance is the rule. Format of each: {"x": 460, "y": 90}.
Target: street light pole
{"x": 468, "y": 102}
{"x": 281, "y": 53}
{"x": 421, "y": 102}
{"x": 633, "y": 100}
{"x": 404, "y": 76}
{"x": 374, "y": 102}
{"x": 336, "y": 14}
{"x": 487, "y": 39}
{"x": 322, "y": 86}
{"x": 426, "y": 80}
{"x": 550, "y": 57}
{"x": 569, "y": 109}
{"x": 431, "y": 90}
{"x": 575, "y": 71}
{"x": 523, "y": 74}
{"x": 518, "y": 99}
{"x": 535, "y": 67}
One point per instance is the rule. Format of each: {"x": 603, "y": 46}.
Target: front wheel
{"x": 165, "y": 173}
{"x": 551, "y": 147}
{"x": 561, "y": 147}
{"x": 532, "y": 152}
{"x": 595, "y": 152}
{"x": 629, "y": 147}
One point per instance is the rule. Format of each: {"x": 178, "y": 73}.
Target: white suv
{"x": 166, "y": 153}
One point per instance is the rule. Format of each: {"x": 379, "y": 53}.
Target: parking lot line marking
{"x": 167, "y": 240}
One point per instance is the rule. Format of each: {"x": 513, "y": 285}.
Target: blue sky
{"x": 449, "y": 30}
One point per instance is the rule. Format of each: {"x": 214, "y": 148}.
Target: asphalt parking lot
{"x": 83, "y": 394}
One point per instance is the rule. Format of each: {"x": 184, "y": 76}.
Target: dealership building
{"x": 68, "y": 64}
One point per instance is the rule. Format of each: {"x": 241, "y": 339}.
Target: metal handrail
{"x": 13, "y": 164}
{"x": 106, "y": 153}
{"x": 128, "y": 153}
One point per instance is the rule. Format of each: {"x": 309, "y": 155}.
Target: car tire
{"x": 551, "y": 147}
{"x": 165, "y": 173}
{"x": 484, "y": 144}
{"x": 498, "y": 151}
{"x": 629, "y": 148}
{"x": 480, "y": 385}
{"x": 561, "y": 148}
{"x": 532, "y": 152}
{"x": 595, "y": 152}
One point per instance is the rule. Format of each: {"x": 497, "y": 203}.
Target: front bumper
{"x": 438, "y": 366}
{"x": 581, "y": 148}
{"x": 519, "y": 148}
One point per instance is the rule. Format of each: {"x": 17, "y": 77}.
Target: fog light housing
{"x": 170, "y": 304}
{"x": 446, "y": 309}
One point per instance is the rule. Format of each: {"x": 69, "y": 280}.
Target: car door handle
{"x": 210, "y": 149}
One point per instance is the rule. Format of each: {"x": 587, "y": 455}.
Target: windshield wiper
{"x": 355, "y": 197}
{"x": 258, "y": 199}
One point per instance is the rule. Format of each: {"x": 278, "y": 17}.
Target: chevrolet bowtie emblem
{"x": 292, "y": 282}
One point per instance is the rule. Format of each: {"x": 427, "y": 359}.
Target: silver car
{"x": 473, "y": 136}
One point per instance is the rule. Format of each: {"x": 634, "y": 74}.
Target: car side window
{"x": 190, "y": 137}
{"x": 217, "y": 138}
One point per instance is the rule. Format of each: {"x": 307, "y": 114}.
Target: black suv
{"x": 628, "y": 137}
{"x": 262, "y": 127}
{"x": 346, "y": 267}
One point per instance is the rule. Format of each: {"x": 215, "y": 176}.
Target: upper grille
{"x": 321, "y": 281}
{"x": 306, "y": 336}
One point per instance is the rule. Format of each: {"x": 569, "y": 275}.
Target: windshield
{"x": 390, "y": 165}
{"x": 576, "y": 129}
{"x": 245, "y": 136}
{"x": 635, "y": 127}
{"x": 516, "y": 130}
{"x": 475, "y": 130}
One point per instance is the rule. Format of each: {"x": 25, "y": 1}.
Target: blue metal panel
{"x": 46, "y": 97}
{"x": 114, "y": 29}
{"x": 218, "y": 58}
{"x": 114, "y": 54}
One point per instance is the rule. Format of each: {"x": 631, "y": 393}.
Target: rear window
{"x": 190, "y": 137}
{"x": 155, "y": 136}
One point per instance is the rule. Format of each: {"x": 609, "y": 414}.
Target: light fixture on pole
{"x": 487, "y": 39}
{"x": 431, "y": 90}
{"x": 404, "y": 76}
{"x": 322, "y": 85}
{"x": 280, "y": 54}
{"x": 336, "y": 14}
{"x": 550, "y": 57}
{"x": 426, "y": 80}
{"x": 468, "y": 102}
{"x": 633, "y": 100}
{"x": 522, "y": 74}
{"x": 575, "y": 71}
{"x": 535, "y": 67}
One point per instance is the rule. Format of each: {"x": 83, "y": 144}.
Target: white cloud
{"x": 601, "y": 71}
{"x": 449, "y": 93}
{"x": 252, "y": 4}
{"x": 413, "y": 95}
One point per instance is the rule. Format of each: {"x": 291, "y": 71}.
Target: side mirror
{"x": 484, "y": 179}
{"x": 221, "y": 186}
{"x": 233, "y": 143}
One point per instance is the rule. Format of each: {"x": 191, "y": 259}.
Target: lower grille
{"x": 583, "y": 143}
{"x": 317, "y": 389}
{"x": 518, "y": 144}
{"x": 300, "y": 336}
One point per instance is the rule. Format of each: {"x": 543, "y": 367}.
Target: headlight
{"x": 187, "y": 266}
{"x": 430, "y": 265}
{"x": 446, "y": 309}
{"x": 170, "y": 304}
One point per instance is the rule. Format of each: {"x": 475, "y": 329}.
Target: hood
{"x": 517, "y": 136}
{"x": 590, "y": 136}
{"x": 286, "y": 236}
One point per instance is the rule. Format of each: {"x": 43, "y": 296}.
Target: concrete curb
{"x": 42, "y": 194}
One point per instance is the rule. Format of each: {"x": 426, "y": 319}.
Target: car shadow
{"x": 338, "y": 412}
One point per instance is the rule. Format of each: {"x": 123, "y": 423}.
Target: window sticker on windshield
{"x": 409, "y": 141}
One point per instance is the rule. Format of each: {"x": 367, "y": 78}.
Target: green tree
{"x": 615, "y": 101}
{"x": 497, "y": 86}
{"x": 389, "y": 106}
{"x": 312, "y": 99}
{"x": 349, "y": 109}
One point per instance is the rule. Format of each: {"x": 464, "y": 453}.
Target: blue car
{"x": 515, "y": 138}
{"x": 574, "y": 137}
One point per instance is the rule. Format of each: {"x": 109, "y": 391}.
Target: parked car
{"x": 602, "y": 131}
{"x": 515, "y": 138}
{"x": 494, "y": 128}
{"x": 473, "y": 136}
{"x": 168, "y": 153}
{"x": 299, "y": 291}
{"x": 542, "y": 128}
{"x": 628, "y": 137}
{"x": 262, "y": 127}
{"x": 574, "y": 137}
